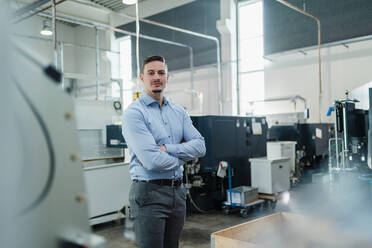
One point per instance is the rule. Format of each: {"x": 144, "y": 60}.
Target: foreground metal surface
{"x": 50, "y": 209}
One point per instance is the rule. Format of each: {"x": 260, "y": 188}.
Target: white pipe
{"x": 237, "y": 57}
{"x": 346, "y": 150}
{"x": 192, "y": 76}
{"x": 290, "y": 98}
{"x": 319, "y": 46}
{"x": 190, "y": 33}
{"x": 105, "y": 26}
{"x": 61, "y": 64}
{"x": 220, "y": 109}
{"x": 98, "y": 72}
{"x": 93, "y": 24}
{"x": 137, "y": 48}
{"x": 65, "y": 43}
{"x": 54, "y": 29}
{"x": 336, "y": 137}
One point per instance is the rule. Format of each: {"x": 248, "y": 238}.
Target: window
{"x": 125, "y": 72}
{"x": 251, "y": 74}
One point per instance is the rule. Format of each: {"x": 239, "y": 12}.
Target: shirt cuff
{"x": 172, "y": 149}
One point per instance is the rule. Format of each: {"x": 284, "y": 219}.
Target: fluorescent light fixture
{"x": 46, "y": 30}
{"x": 129, "y": 2}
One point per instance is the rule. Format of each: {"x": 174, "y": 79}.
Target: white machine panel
{"x": 108, "y": 189}
{"x": 270, "y": 176}
{"x": 280, "y": 149}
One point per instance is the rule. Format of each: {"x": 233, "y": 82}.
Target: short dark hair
{"x": 152, "y": 58}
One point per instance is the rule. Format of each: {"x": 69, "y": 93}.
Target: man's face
{"x": 155, "y": 77}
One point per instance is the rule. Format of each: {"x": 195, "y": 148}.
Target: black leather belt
{"x": 175, "y": 183}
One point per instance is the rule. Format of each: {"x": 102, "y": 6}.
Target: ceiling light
{"x": 46, "y": 30}
{"x": 129, "y": 2}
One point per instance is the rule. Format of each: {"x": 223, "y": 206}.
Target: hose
{"x": 190, "y": 197}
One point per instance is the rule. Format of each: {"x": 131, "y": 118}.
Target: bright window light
{"x": 126, "y": 70}
{"x": 251, "y": 37}
{"x": 251, "y": 65}
{"x": 251, "y": 86}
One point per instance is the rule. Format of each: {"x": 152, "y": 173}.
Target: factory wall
{"x": 44, "y": 49}
{"x": 218, "y": 24}
{"x": 94, "y": 113}
{"x": 76, "y": 60}
{"x": 343, "y": 68}
{"x": 82, "y": 61}
{"x": 205, "y": 81}
{"x": 86, "y": 59}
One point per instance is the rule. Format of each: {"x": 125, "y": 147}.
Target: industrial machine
{"x": 352, "y": 129}
{"x": 114, "y": 137}
{"x": 312, "y": 144}
{"x": 227, "y": 138}
{"x": 270, "y": 176}
{"x": 105, "y": 162}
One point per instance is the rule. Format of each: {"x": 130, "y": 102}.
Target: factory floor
{"x": 196, "y": 233}
{"x": 321, "y": 199}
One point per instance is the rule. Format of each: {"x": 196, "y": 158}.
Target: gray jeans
{"x": 158, "y": 213}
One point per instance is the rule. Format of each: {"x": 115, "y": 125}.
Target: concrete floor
{"x": 334, "y": 201}
{"x": 196, "y": 233}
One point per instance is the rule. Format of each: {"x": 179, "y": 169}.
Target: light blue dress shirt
{"x": 146, "y": 126}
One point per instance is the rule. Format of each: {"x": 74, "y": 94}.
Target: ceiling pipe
{"x": 64, "y": 43}
{"x": 286, "y": 98}
{"x": 218, "y": 55}
{"x": 33, "y": 8}
{"x": 36, "y": 11}
{"x": 30, "y": 7}
{"x": 237, "y": 42}
{"x": 54, "y": 29}
{"x": 319, "y": 46}
{"x": 93, "y": 24}
{"x": 220, "y": 107}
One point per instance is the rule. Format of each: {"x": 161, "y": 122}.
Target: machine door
{"x": 280, "y": 176}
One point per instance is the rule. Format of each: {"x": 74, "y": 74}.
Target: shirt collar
{"x": 147, "y": 99}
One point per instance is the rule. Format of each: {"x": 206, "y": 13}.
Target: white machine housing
{"x": 270, "y": 176}
{"x": 280, "y": 149}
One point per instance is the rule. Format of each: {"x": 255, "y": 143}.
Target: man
{"x": 161, "y": 138}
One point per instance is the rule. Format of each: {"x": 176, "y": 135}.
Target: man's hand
{"x": 163, "y": 148}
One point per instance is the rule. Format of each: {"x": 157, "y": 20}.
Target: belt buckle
{"x": 172, "y": 183}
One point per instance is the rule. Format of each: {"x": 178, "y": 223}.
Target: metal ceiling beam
{"x": 104, "y": 2}
{"x": 93, "y": 24}
{"x": 117, "y": 5}
{"x": 30, "y": 7}
{"x": 36, "y": 11}
{"x": 93, "y": 4}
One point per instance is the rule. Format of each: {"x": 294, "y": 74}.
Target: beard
{"x": 156, "y": 91}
